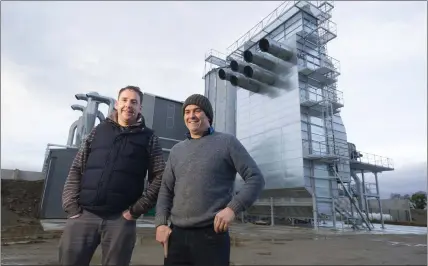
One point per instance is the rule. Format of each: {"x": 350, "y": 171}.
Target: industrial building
{"x": 276, "y": 89}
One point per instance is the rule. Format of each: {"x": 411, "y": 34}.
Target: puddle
{"x": 59, "y": 224}
{"x": 264, "y": 253}
{"x": 396, "y": 243}
{"x": 8, "y": 243}
{"x": 378, "y": 230}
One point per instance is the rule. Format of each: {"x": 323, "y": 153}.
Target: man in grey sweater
{"x": 196, "y": 194}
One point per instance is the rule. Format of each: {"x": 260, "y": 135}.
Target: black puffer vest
{"x": 117, "y": 165}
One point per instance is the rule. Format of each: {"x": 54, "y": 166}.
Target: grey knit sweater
{"x": 199, "y": 178}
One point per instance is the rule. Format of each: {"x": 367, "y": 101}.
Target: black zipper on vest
{"x": 121, "y": 134}
{"x": 104, "y": 169}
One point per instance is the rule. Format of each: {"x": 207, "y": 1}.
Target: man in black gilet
{"x": 103, "y": 193}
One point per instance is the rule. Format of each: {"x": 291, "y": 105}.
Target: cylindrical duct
{"x": 259, "y": 59}
{"x": 237, "y": 66}
{"x": 275, "y": 49}
{"x": 224, "y": 74}
{"x": 102, "y": 99}
{"x": 100, "y": 116}
{"x": 71, "y": 133}
{"x": 245, "y": 83}
{"x": 258, "y": 73}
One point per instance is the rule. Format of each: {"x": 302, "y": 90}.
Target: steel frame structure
{"x": 317, "y": 72}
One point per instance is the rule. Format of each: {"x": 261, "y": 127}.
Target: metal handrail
{"x": 373, "y": 159}
{"x": 335, "y": 96}
{"x": 264, "y": 26}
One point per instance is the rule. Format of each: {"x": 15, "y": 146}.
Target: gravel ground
{"x": 264, "y": 245}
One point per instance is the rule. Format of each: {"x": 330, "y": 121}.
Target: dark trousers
{"x": 82, "y": 236}
{"x": 198, "y": 247}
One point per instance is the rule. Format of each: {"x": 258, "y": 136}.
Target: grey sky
{"x": 53, "y": 50}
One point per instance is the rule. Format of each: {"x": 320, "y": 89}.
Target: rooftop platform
{"x": 370, "y": 163}
{"x": 322, "y": 151}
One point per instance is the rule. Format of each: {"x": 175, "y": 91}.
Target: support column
{"x": 333, "y": 206}
{"x": 314, "y": 204}
{"x": 350, "y": 200}
{"x": 15, "y": 174}
{"x": 378, "y": 200}
{"x": 364, "y": 196}
{"x": 272, "y": 222}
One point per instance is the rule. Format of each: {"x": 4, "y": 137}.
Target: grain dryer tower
{"x": 276, "y": 89}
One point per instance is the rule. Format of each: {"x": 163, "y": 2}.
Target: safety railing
{"x": 323, "y": 148}
{"x": 307, "y": 94}
{"x": 214, "y": 53}
{"x": 213, "y": 59}
{"x": 330, "y": 62}
{"x": 327, "y": 31}
{"x": 376, "y": 160}
{"x": 371, "y": 189}
{"x": 334, "y": 96}
{"x": 313, "y": 62}
{"x": 325, "y": 6}
{"x": 261, "y": 29}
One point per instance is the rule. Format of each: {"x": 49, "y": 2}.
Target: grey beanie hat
{"x": 202, "y": 102}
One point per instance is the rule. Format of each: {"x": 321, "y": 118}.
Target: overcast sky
{"x": 52, "y": 50}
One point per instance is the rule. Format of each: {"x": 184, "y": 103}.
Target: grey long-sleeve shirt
{"x": 199, "y": 178}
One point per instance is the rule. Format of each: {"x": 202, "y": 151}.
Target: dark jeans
{"x": 82, "y": 236}
{"x": 198, "y": 247}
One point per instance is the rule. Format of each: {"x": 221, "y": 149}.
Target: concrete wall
{"x": 397, "y": 208}
{"x": 17, "y": 174}
{"x": 391, "y": 204}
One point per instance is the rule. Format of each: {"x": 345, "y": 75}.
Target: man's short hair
{"x": 133, "y": 88}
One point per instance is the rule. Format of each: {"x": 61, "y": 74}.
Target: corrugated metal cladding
{"x": 59, "y": 163}
{"x": 164, "y": 116}
{"x": 222, "y": 96}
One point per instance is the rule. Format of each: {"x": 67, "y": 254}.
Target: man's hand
{"x": 75, "y": 216}
{"x": 127, "y": 216}
{"x": 223, "y": 219}
{"x": 162, "y": 234}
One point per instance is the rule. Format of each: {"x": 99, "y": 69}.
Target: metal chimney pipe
{"x": 81, "y": 96}
{"x": 237, "y": 66}
{"x": 102, "y": 99}
{"x": 258, "y": 73}
{"x": 276, "y": 49}
{"x": 225, "y": 74}
{"x": 77, "y": 107}
{"x": 90, "y": 113}
{"x": 71, "y": 133}
{"x": 74, "y": 135}
{"x": 246, "y": 83}
{"x": 100, "y": 116}
{"x": 79, "y": 132}
{"x": 259, "y": 59}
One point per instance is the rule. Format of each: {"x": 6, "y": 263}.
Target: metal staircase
{"x": 356, "y": 223}
{"x": 361, "y": 219}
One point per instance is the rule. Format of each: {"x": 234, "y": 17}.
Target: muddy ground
{"x": 20, "y": 202}
{"x": 264, "y": 245}
{"x": 251, "y": 244}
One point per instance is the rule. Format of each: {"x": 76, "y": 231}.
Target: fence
{"x": 16, "y": 174}
{"x": 299, "y": 211}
